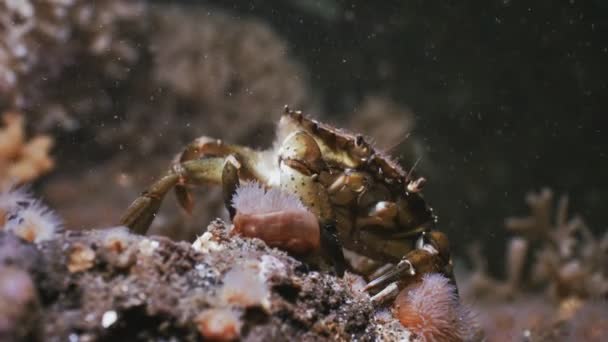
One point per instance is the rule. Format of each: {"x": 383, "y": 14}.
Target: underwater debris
{"x": 26, "y": 217}
{"x": 22, "y": 161}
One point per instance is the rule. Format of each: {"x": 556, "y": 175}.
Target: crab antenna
{"x": 399, "y": 142}
{"x": 409, "y": 173}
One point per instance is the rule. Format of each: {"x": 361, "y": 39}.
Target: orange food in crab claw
{"x": 296, "y": 231}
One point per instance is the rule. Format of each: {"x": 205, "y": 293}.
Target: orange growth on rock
{"x": 219, "y": 324}
{"x": 22, "y": 161}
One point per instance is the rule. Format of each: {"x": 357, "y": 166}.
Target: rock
{"x": 152, "y": 288}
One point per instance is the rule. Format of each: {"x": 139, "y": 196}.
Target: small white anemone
{"x": 27, "y": 217}
{"x": 253, "y": 198}
{"x": 244, "y": 286}
{"x": 12, "y": 200}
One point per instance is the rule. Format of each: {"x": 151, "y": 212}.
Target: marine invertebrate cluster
{"x": 571, "y": 260}
{"x": 22, "y": 160}
{"x": 552, "y": 254}
{"x": 568, "y": 260}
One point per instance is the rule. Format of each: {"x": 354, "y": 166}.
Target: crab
{"x": 353, "y": 197}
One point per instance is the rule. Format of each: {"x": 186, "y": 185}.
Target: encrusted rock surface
{"x": 104, "y": 284}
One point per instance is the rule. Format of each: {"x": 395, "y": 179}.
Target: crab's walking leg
{"x": 430, "y": 255}
{"x": 204, "y": 147}
{"x": 142, "y": 211}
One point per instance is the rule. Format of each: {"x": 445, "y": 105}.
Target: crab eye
{"x": 361, "y": 149}
{"x": 359, "y": 141}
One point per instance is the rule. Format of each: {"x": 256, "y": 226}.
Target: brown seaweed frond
{"x": 22, "y": 160}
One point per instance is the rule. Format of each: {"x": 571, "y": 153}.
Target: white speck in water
{"x": 109, "y": 318}
{"x": 73, "y": 338}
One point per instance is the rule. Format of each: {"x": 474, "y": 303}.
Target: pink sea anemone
{"x": 253, "y": 198}
{"x": 431, "y": 310}
{"x": 277, "y": 217}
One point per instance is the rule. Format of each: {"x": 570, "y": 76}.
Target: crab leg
{"x": 430, "y": 255}
{"x": 142, "y": 211}
{"x": 204, "y": 147}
